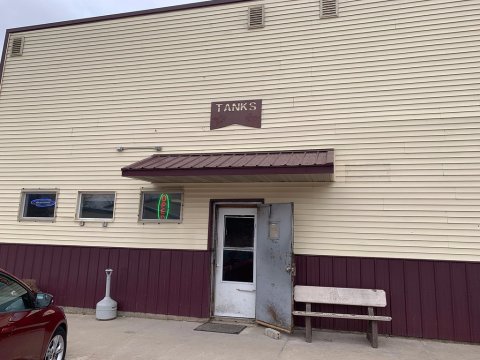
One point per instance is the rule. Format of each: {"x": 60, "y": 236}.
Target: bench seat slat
{"x": 340, "y": 296}
{"x": 342, "y": 316}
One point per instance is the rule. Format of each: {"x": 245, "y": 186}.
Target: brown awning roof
{"x": 306, "y": 165}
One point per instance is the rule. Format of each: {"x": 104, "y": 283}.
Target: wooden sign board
{"x": 240, "y": 112}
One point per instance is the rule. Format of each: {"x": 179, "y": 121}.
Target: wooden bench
{"x": 341, "y": 296}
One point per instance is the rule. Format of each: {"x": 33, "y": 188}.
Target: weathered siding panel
{"x": 177, "y": 283}
{"x": 80, "y": 282}
{"x": 330, "y": 218}
{"x": 392, "y": 86}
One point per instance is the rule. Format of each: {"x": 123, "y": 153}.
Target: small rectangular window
{"x": 38, "y": 205}
{"x": 96, "y": 206}
{"x": 161, "y": 206}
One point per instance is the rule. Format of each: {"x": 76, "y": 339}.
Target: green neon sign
{"x": 163, "y": 207}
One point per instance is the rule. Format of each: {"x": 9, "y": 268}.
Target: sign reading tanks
{"x": 239, "y": 112}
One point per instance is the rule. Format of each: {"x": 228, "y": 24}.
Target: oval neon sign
{"x": 43, "y": 203}
{"x": 163, "y": 207}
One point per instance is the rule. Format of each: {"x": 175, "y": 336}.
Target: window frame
{"x": 30, "y": 294}
{"x": 22, "y": 203}
{"x": 89, "y": 192}
{"x": 159, "y": 191}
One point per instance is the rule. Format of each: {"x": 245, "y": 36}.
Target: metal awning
{"x": 278, "y": 166}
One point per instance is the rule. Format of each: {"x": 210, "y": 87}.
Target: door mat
{"x": 221, "y": 328}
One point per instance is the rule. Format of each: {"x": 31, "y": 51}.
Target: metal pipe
{"x": 152, "y": 147}
{"x": 107, "y": 289}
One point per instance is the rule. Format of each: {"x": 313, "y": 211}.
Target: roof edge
{"x": 93, "y": 19}
{"x": 4, "y": 57}
{"x": 271, "y": 170}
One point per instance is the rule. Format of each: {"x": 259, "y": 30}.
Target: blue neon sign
{"x": 43, "y": 203}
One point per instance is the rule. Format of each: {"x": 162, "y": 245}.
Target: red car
{"x": 31, "y": 326}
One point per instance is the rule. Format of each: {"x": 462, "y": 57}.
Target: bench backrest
{"x": 340, "y": 296}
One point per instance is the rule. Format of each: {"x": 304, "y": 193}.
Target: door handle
{"x": 8, "y": 330}
{"x": 291, "y": 269}
{"x": 244, "y": 290}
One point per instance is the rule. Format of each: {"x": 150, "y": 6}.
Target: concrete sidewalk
{"x": 147, "y": 339}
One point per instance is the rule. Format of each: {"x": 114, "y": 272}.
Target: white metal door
{"x": 235, "y": 270}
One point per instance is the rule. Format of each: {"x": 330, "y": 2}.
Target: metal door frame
{"x": 215, "y": 204}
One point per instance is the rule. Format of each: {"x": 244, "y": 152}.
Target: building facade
{"x": 366, "y": 119}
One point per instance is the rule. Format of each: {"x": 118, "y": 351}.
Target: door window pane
{"x": 238, "y": 266}
{"x": 239, "y": 231}
{"x": 96, "y": 206}
{"x": 161, "y": 206}
{"x": 39, "y": 205}
{"x": 13, "y": 297}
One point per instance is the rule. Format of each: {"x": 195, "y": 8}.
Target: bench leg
{"x": 369, "y": 331}
{"x": 372, "y": 332}
{"x": 308, "y": 324}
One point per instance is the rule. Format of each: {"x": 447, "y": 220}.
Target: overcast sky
{"x": 15, "y": 13}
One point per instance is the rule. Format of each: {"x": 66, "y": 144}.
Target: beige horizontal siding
{"x": 392, "y": 86}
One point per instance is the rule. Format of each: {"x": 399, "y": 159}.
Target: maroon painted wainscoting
{"x": 169, "y": 282}
{"x": 426, "y": 299}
